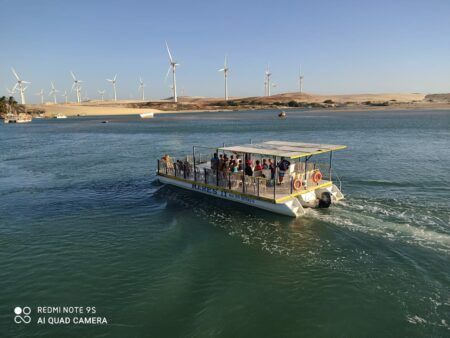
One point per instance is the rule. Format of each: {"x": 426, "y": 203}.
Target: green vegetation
{"x": 328, "y": 101}
{"x": 8, "y": 105}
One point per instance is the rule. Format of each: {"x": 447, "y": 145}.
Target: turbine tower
{"x": 20, "y": 84}
{"x": 225, "y": 75}
{"x": 141, "y": 87}
{"x": 172, "y": 65}
{"x": 41, "y": 94}
{"x": 53, "y": 92}
{"x": 77, "y": 86}
{"x": 65, "y": 96}
{"x": 267, "y": 82}
{"x": 113, "y": 82}
{"x": 300, "y": 79}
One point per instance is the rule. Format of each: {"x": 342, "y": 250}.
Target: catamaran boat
{"x": 300, "y": 175}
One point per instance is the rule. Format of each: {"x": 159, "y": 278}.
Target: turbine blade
{"x": 15, "y": 74}
{"x": 167, "y": 74}
{"x": 73, "y": 76}
{"x": 115, "y": 76}
{"x": 168, "y": 52}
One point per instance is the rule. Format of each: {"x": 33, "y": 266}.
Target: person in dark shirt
{"x": 248, "y": 168}
{"x": 283, "y": 166}
{"x": 215, "y": 162}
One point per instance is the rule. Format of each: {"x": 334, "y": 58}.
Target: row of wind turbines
{"x": 22, "y": 85}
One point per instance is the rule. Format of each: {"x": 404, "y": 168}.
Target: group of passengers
{"x": 180, "y": 166}
{"x": 233, "y": 164}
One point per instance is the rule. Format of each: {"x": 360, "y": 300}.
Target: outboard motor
{"x": 325, "y": 200}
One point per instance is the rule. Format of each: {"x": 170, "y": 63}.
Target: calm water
{"x": 82, "y": 223}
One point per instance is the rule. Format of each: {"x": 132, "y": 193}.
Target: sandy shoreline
{"x": 357, "y": 102}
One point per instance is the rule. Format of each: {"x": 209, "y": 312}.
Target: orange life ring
{"x": 317, "y": 176}
{"x": 298, "y": 184}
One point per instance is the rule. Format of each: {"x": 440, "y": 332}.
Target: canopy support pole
{"x": 331, "y": 157}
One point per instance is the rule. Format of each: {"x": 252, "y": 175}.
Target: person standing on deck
{"x": 283, "y": 166}
{"x": 215, "y": 162}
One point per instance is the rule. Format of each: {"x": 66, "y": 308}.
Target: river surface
{"x": 83, "y": 223}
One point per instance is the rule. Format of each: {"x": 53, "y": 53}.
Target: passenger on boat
{"x": 235, "y": 168}
{"x": 179, "y": 166}
{"x": 215, "y": 162}
{"x": 272, "y": 168}
{"x": 248, "y": 168}
{"x": 225, "y": 168}
{"x": 265, "y": 165}
{"x": 240, "y": 168}
{"x": 232, "y": 161}
{"x": 258, "y": 166}
{"x": 167, "y": 161}
{"x": 283, "y": 166}
{"x": 187, "y": 167}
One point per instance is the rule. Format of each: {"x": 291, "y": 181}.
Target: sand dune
{"x": 189, "y": 104}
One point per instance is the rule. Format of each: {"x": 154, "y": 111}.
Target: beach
{"x": 349, "y": 102}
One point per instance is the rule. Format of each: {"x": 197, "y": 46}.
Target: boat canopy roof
{"x": 284, "y": 149}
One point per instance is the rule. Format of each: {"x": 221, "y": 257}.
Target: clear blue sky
{"x": 344, "y": 46}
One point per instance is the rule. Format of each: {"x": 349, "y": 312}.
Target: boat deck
{"x": 260, "y": 187}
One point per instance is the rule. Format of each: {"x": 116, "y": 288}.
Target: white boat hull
{"x": 291, "y": 208}
{"x": 146, "y": 115}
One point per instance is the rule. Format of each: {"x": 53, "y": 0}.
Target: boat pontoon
{"x": 294, "y": 176}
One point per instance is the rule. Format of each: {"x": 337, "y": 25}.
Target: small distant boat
{"x": 106, "y": 121}
{"x": 21, "y": 118}
{"x": 146, "y": 115}
{"x": 60, "y": 116}
{"x": 282, "y": 114}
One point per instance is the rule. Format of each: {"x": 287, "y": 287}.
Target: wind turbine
{"x": 141, "y": 87}
{"x": 86, "y": 97}
{"x": 41, "y": 94}
{"x": 53, "y": 92}
{"x": 65, "y": 96}
{"x": 20, "y": 84}
{"x": 225, "y": 75}
{"x": 102, "y": 94}
{"x": 113, "y": 81}
{"x": 172, "y": 65}
{"x": 77, "y": 86}
{"x": 267, "y": 81}
{"x": 300, "y": 79}
{"x": 11, "y": 92}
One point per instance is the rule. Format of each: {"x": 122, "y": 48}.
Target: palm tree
{"x": 14, "y": 107}
{"x": 3, "y": 106}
